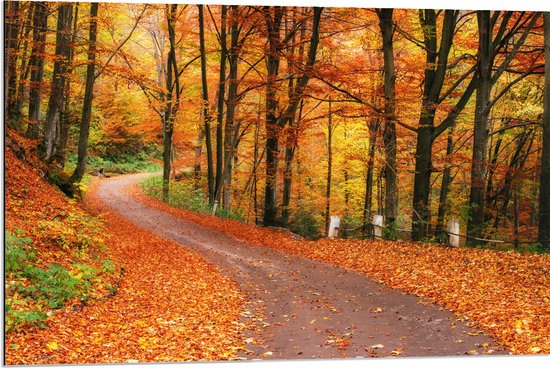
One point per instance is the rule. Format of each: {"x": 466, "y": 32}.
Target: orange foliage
{"x": 504, "y": 293}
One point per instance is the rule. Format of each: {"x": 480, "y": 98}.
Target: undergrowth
{"x": 118, "y": 165}
{"x": 183, "y": 195}
{"x": 34, "y": 290}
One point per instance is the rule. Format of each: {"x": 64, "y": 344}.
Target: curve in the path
{"x": 310, "y": 309}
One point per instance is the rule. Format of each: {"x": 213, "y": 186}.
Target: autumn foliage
{"x": 503, "y": 293}
{"x": 163, "y": 303}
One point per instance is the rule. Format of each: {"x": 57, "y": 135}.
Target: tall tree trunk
{"x": 330, "y": 131}
{"x": 481, "y": 130}
{"x": 52, "y": 131}
{"x": 367, "y": 208}
{"x": 434, "y": 76}
{"x": 88, "y": 98}
{"x": 206, "y": 111}
{"x": 292, "y": 137}
{"x": 390, "y": 138}
{"x": 231, "y": 129}
{"x": 221, "y": 99}
{"x": 10, "y": 58}
{"x": 172, "y": 102}
{"x": 273, "y": 58}
{"x": 25, "y": 68}
{"x": 446, "y": 181}
{"x": 36, "y": 63}
{"x": 61, "y": 152}
{"x": 544, "y": 192}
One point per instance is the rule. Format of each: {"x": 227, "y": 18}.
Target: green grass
{"x": 184, "y": 195}
{"x": 124, "y": 165}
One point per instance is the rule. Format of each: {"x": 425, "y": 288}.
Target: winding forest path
{"x": 304, "y": 308}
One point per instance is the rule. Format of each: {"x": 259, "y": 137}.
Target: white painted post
{"x": 214, "y": 208}
{"x": 453, "y": 229}
{"x": 378, "y": 224}
{"x": 334, "y": 226}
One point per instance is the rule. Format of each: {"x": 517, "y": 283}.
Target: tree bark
{"x": 367, "y": 208}
{"x": 481, "y": 131}
{"x": 330, "y": 131}
{"x": 446, "y": 180}
{"x": 10, "y": 59}
{"x": 221, "y": 99}
{"x": 172, "y": 100}
{"x": 390, "y": 138}
{"x": 205, "y": 111}
{"x": 36, "y": 63}
{"x": 88, "y": 98}
{"x": 544, "y": 192}
{"x": 231, "y": 129}
{"x": 24, "y": 69}
{"x": 52, "y": 131}
{"x": 273, "y": 20}
{"x": 434, "y": 76}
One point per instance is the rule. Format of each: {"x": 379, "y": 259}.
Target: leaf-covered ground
{"x": 506, "y": 294}
{"x": 168, "y": 305}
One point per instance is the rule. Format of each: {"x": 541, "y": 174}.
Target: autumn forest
{"x": 266, "y": 122}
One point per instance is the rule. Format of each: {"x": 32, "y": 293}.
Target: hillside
{"x": 74, "y": 279}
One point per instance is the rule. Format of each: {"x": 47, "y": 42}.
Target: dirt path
{"x": 309, "y": 309}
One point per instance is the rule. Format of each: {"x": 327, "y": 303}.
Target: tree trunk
{"x": 330, "y": 131}
{"x": 367, "y": 209}
{"x": 172, "y": 104}
{"x": 25, "y": 68}
{"x": 61, "y": 153}
{"x": 88, "y": 99}
{"x": 231, "y": 129}
{"x": 390, "y": 138}
{"x": 544, "y": 192}
{"x": 271, "y": 105}
{"x": 434, "y": 76}
{"x": 206, "y": 112}
{"x": 52, "y": 131}
{"x": 36, "y": 63}
{"x": 446, "y": 180}
{"x": 481, "y": 130}
{"x": 10, "y": 58}
{"x": 221, "y": 99}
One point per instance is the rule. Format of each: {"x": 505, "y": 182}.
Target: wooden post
{"x": 334, "y": 226}
{"x": 378, "y": 224}
{"x": 453, "y": 229}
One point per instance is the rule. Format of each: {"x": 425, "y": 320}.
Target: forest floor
{"x": 302, "y": 308}
{"x": 167, "y": 304}
{"x": 506, "y": 294}
{"x": 260, "y": 293}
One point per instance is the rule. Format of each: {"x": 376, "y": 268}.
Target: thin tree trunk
{"x": 52, "y": 131}
{"x": 330, "y": 131}
{"x": 231, "y": 131}
{"x": 61, "y": 153}
{"x": 446, "y": 181}
{"x": 10, "y": 59}
{"x": 272, "y": 129}
{"x": 88, "y": 98}
{"x": 221, "y": 99}
{"x": 25, "y": 68}
{"x": 544, "y": 192}
{"x": 481, "y": 132}
{"x": 36, "y": 63}
{"x": 426, "y": 132}
{"x": 172, "y": 104}
{"x": 367, "y": 209}
{"x": 206, "y": 112}
{"x": 390, "y": 138}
